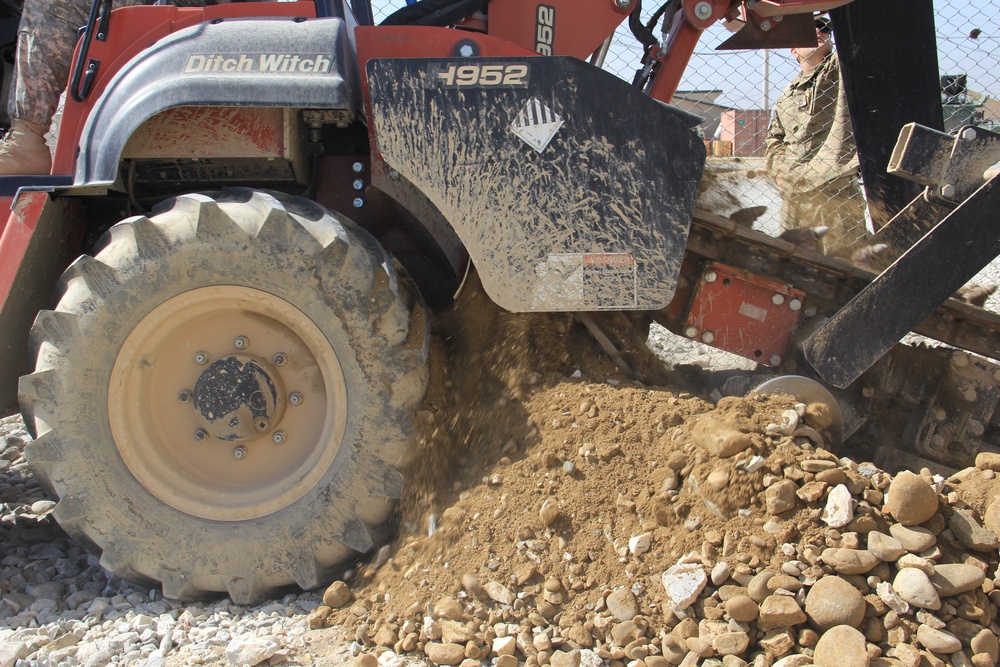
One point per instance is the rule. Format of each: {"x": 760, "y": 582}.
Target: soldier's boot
{"x": 23, "y": 151}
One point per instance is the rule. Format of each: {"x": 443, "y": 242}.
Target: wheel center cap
{"x": 238, "y": 397}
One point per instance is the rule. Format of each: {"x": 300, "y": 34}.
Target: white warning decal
{"x": 537, "y": 124}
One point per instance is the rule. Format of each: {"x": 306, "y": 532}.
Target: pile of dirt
{"x": 561, "y": 513}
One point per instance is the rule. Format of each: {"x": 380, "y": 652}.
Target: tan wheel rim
{"x": 208, "y": 348}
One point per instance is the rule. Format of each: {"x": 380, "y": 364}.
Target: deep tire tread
{"x": 384, "y": 324}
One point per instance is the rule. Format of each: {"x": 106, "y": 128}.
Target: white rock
{"x": 891, "y": 598}
{"x": 838, "y": 511}
{"x": 683, "y": 583}
{"x": 250, "y": 651}
{"x": 640, "y": 544}
{"x": 915, "y": 587}
{"x": 499, "y": 592}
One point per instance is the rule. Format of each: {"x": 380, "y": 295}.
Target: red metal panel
{"x": 743, "y": 313}
{"x": 17, "y": 230}
{"x": 556, "y": 27}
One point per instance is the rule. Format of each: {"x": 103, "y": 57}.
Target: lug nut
{"x": 794, "y": 305}
{"x": 201, "y": 358}
{"x": 708, "y": 337}
{"x": 200, "y": 435}
{"x": 295, "y": 398}
{"x": 278, "y": 437}
{"x": 184, "y": 396}
{"x": 240, "y": 452}
{"x": 280, "y": 359}
{"x": 691, "y": 332}
{"x": 777, "y": 299}
{"x": 241, "y": 342}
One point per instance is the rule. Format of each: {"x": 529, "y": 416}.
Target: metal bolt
{"x": 280, "y": 359}
{"x": 703, "y": 11}
{"x": 795, "y": 305}
{"x": 710, "y": 277}
{"x": 200, "y": 435}
{"x": 868, "y": 392}
{"x": 947, "y": 190}
{"x": 201, "y": 358}
{"x": 241, "y": 342}
{"x": 184, "y": 396}
{"x": 358, "y": 184}
{"x": 295, "y": 398}
{"x": 240, "y": 452}
{"x": 622, "y": 4}
{"x": 810, "y": 312}
{"x": 691, "y": 332}
{"x": 466, "y": 51}
{"x": 774, "y": 360}
{"x": 939, "y": 414}
{"x": 766, "y": 25}
{"x": 359, "y": 202}
{"x": 261, "y": 424}
{"x": 968, "y": 134}
{"x": 358, "y": 167}
{"x": 778, "y": 299}
{"x": 708, "y": 337}
{"x": 975, "y": 428}
{"x": 278, "y": 437}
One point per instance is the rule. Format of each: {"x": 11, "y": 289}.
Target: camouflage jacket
{"x": 810, "y": 141}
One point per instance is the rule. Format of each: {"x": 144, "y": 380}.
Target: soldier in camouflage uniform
{"x": 811, "y": 153}
{"x": 46, "y": 38}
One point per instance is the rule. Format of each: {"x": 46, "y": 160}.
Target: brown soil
{"x": 524, "y": 410}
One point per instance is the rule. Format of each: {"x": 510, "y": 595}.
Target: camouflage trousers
{"x": 46, "y": 38}
{"x": 839, "y": 205}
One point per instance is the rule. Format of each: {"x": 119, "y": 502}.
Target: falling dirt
{"x": 539, "y": 461}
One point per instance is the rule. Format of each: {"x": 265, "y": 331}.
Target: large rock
{"x": 337, "y": 595}
{"x": 970, "y": 533}
{"x": 885, "y": 547}
{"x": 915, "y": 587}
{"x": 247, "y": 652}
{"x": 955, "y": 578}
{"x": 992, "y": 517}
{"x": 832, "y": 601}
{"x": 684, "y": 582}
{"x": 841, "y": 646}
{"x": 911, "y": 499}
{"x": 938, "y": 641}
{"x": 913, "y": 538}
{"x": 780, "y": 611}
{"x": 742, "y": 608}
{"x": 849, "y": 561}
{"x": 780, "y": 497}
{"x": 622, "y": 604}
{"x": 444, "y": 654}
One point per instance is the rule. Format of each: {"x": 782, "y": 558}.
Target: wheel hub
{"x": 239, "y": 397}
{"x": 227, "y": 403}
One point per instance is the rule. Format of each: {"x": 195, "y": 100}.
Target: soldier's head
{"x": 811, "y": 56}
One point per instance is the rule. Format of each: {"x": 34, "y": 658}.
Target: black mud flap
{"x": 571, "y": 189}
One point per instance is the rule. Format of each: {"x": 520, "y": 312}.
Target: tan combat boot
{"x": 23, "y": 150}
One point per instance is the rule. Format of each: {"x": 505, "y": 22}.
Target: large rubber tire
{"x": 144, "y": 475}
